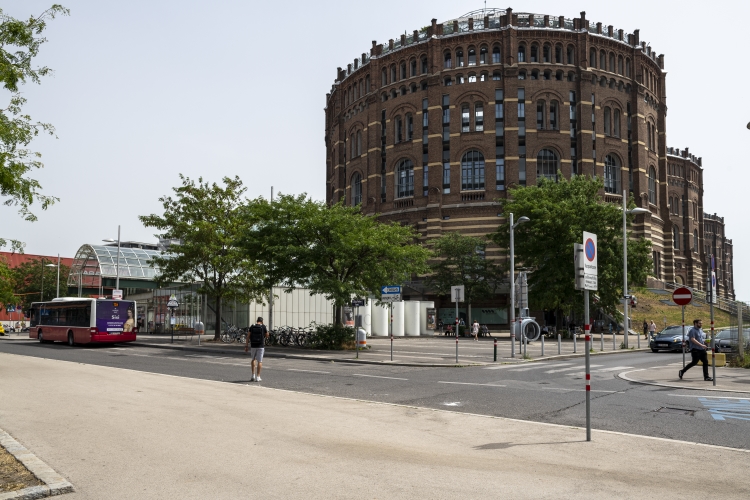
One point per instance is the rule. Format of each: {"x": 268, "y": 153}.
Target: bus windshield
{"x": 115, "y": 316}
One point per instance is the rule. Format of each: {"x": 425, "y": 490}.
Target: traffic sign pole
{"x": 682, "y": 296}
{"x": 587, "y": 330}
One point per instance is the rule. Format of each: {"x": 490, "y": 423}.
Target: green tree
{"x": 559, "y": 213}
{"x": 20, "y": 42}
{"x": 6, "y": 285}
{"x": 28, "y": 281}
{"x": 335, "y": 251}
{"x": 206, "y": 219}
{"x": 462, "y": 262}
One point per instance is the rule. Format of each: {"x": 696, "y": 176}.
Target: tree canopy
{"x": 559, "y": 212}
{"x": 28, "y": 281}
{"x": 20, "y": 42}
{"x": 334, "y": 251}
{"x": 461, "y": 261}
{"x": 206, "y": 219}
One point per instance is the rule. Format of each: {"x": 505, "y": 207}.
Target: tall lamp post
{"x": 513, "y": 284}
{"x": 625, "y": 293}
{"x": 117, "y": 265}
{"x": 41, "y": 294}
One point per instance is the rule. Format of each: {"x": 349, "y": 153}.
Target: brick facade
{"x": 521, "y": 95}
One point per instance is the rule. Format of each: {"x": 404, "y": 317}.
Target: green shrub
{"x": 332, "y": 337}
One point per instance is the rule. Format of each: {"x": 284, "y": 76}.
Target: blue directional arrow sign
{"x": 384, "y": 290}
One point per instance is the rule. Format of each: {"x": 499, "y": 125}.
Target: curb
{"x": 54, "y": 483}
{"x": 624, "y": 376}
{"x": 270, "y": 354}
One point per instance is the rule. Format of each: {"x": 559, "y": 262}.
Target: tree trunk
{"x": 338, "y": 313}
{"x": 468, "y": 315}
{"x": 217, "y": 329}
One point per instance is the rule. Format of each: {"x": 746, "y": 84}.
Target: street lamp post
{"x": 513, "y": 285}
{"x": 58, "y": 278}
{"x": 625, "y": 293}
{"x": 117, "y": 262}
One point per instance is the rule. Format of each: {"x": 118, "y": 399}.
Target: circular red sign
{"x": 682, "y": 296}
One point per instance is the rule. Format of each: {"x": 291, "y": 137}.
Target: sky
{"x": 145, "y": 90}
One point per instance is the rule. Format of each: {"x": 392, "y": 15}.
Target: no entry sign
{"x": 682, "y": 296}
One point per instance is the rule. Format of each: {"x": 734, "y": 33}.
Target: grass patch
{"x": 13, "y": 475}
{"x": 650, "y": 308}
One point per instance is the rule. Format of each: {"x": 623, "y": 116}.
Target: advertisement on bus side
{"x": 116, "y": 316}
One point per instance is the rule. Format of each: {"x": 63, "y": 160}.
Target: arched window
{"x": 460, "y": 79}
{"x": 620, "y": 65}
{"x": 483, "y": 55}
{"x": 571, "y": 76}
{"x": 367, "y": 84}
{"x": 359, "y": 142}
{"x": 535, "y": 74}
{"x": 472, "y": 171}
{"x": 547, "y": 164}
{"x": 404, "y": 179}
{"x": 384, "y": 77}
{"x": 448, "y": 82}
{"x": 409, "y": 127}
{"x": 592, "y": 58}
{"x": 675, "y": 238}
{"x": 479, "y": 117}
{"x": 695, "y": 240}
{"x": 413, "y": 67}
{"x": 472, "y": 77}
{"x": 603, "y": 60}
{"x": 413, "y": 88}
{"x": 546, "y": 53}
{"x": 540, "y": 112}
{"x": 465, "y": 118}
{"x": 459, "y": 58}
{"x": 356, "y": 189}
{"x": 652, "y": 185}
{"x": 558, "y": 54}
{"x": 521, "y": 53}
{"x": 398, "y": 130}
{"x": 607, "y": 120}
{"x": 547, "y": 74}
{"x": 393, "y": 73}
{"x": 627, "y": 68}
{"x": 402, "y": 89}
{"x": 496, "y": 54}
{"x": 612, "y": 174}
{"x": 534, "y": 57}
{"x": 403, "y": 71}
{"x": 447, "y": 61}
{"x": 496, "y": 76}
{"x": 612, "y": 62}
{"x": 472, "y": 56}
{"x": 352, "y": 147}
{"x": 424, "y": 65}
{"x": 553, "y": 124}
{"x": 571, "y": 55}
{"x": 616, "y": 123}
{"x": 522, "y": 75}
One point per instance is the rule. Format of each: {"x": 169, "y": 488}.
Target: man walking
{"x": 652, "y": 329}
{"x": 645, "y": 330}
{"x": 697, "y": 343}
{"x": 256, "y": 337}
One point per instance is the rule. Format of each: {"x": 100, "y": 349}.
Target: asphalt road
{"x": 551, "y": 391}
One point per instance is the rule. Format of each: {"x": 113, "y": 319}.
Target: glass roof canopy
{"x": 92, "y": 263}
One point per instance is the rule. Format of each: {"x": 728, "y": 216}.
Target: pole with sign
{"x": 682, "y": 297}
{"x": 711, "y": 308}
{"x": 390, "y": 294}
{"x": 357, "y": 303}
{"x": 457, "y": 292}
{"x": 590, "y": 283}
{"x": 172, "y": 304}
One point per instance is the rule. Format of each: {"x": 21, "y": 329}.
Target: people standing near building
{"x": 652, "y": 329}
{"x": 475, "y": 330}
{"x": 645, "y": 329}
{"x": 698, "y": 347}
{"x": 256, "y": 338}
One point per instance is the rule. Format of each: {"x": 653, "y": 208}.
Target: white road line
{"x": 570, "y": 390}
{"x": 613, "y": 369}
{"x": 505, "y": 366}
{"x": 546, "y": 365}
{"x": 470, "y": 383}
{"x": 579, "y": 367}
{"x": 378, "y": 376}
{"x": 701, "y": 396}
{"x": 307, "y": 371}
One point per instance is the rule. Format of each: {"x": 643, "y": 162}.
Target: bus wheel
{"x": 71, "y": 343}
{"x": 40, "y": 337}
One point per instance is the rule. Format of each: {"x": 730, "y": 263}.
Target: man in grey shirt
{"x": 697, "y": 344}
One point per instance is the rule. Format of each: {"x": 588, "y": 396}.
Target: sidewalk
{"x": 117, "y": 433}
{"x": 727, "y": 379}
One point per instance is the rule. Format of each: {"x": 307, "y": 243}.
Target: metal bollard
{"x": 525, "y": 343}
{"x": 542, "y": 345}
{"x": 575, "y": 343}
{"x": 495, "y": 350}
{"x": 614, "y": 341}
{"x": 601, "y": 340}
{"x": 559, "y": 343}
{"x": 639, "y": 341}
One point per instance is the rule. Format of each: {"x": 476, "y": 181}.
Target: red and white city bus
{"x": 83, "y": 321}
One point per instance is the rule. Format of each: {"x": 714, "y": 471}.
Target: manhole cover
{"x": 676, "y": 411}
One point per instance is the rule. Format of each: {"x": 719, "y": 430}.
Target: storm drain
{"x": 676, "y": 411}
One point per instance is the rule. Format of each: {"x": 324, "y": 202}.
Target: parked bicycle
{"x": 232, "y": 334}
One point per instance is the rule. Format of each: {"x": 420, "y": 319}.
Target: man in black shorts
{"x": 256, "y": 337}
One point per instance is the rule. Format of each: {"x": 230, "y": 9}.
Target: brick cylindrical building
{"x": 432, "y": 128}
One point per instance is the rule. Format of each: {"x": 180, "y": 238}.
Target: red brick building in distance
{"x": 14, "y": 259}
{"x": 431, "y": 128}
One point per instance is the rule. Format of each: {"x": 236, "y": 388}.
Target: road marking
{"x": 722, "y": 409}
{"x": 613, "y": 369}
{"x": 501, "y": 367}
{"x": 536, "y": 367}
{"x": 307, "y": 371}
{"x": 571, "y": 368}
{"x": 469, "y": 383}
{"x": 570, "y": 390}
{"x": 378, "y": 376}
{"x": 711, "y": 397}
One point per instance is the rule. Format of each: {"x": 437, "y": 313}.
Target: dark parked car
{"x": 726, "y": 340}
{"x": 669, "y": 339}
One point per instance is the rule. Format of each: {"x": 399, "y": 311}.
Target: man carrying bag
{"x": 256, "y": 338}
